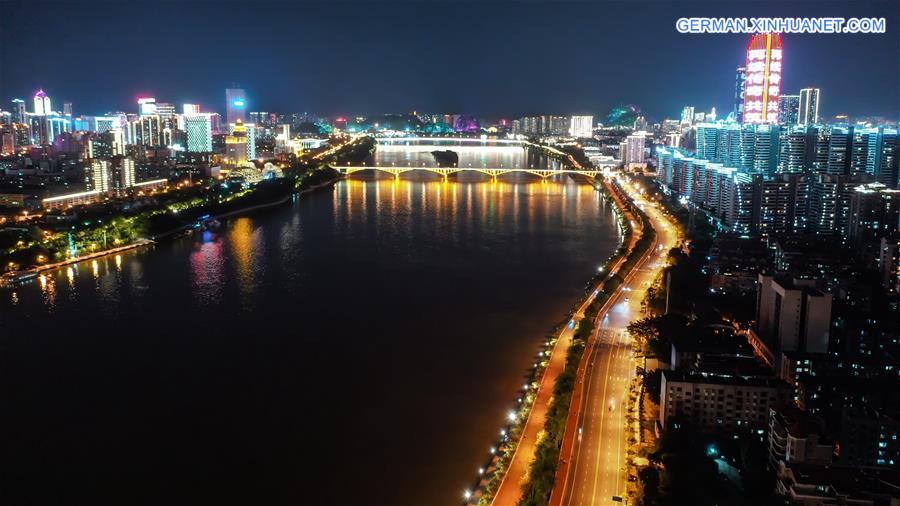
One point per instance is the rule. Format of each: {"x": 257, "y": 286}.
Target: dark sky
{"x": 486, "y": 58}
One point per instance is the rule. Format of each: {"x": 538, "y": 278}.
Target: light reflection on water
{"x": 453, "y": 282}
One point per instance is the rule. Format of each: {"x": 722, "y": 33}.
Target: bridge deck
{"x": 447, "y": 171}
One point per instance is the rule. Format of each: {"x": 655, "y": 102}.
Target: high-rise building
{"x": 707, "y": 141}
{"x": 18, "y": 110}
{"x": 808, "y": 113}
{"x": 57, "y": 125}
{"x": 198, "y": 128}
{"x": 100, "y": 171}
{"x": 235, "y": 105}
{"x": 793, "y": 313}
{"x": 146, "y": 106}
{"x": 763, "y": 85}
{"x": 797, "y": 149}
{"x": 100, "y": 146}
{"x": 124, "y": 176}
{"x": 118, "y": 141}
{"x": 42, "y": 104}
{"x": 167, "y": 117}
{"x": 882, "y": 156}
{"x": 236, "y": 145}
{"x": 7, "y": 141}
{"x": 633, "y": 151}
{"x": 840, "y": 147}
{"x": 739, "y": 83}
{"x": 581, "y": 126}
{"x": 874, "y": 213}
{"x": 829, "y": 203}
{"x": 106, "y": 123}
{"x": 766, "y": 148}
{"x": 67, "y": 108}
{"x": 788, "y": 109}
{"x": 165, "y": 109}
{"x": 146, "y": 130}
{"x": 191, "y": 109}
{"x": 251, "y": 141}
{"x": 687, "y": 115}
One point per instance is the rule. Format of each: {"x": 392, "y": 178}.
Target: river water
{"x": 359, "y": 346}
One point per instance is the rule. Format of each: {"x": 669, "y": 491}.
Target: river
{"x": 358, "y": 346}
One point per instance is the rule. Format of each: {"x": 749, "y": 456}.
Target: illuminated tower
{"x": 235, "y": 105}
{"x": 41, "y": 103}
{"x": 763, "y": 78}
{"x": 236, "y": 145}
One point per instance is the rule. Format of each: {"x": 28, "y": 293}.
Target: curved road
{"x": 594, "y": 470}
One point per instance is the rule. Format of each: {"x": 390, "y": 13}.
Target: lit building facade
{"x": 763, "y": 82}
{"x": 788, "y": 109}
{"x": 236, "y": 145}
{"x": 235, "y": 105}
{"x": 42, "y": 105}
{"x": 198, "y": 128}
{"x": 808, "y": 113}
{"x": 740, "y": 81}
{"x": 581, "y": 126}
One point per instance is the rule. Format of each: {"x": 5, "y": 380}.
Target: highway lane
{"x": 596, "y": 471}
{"x": 510, "y": 489}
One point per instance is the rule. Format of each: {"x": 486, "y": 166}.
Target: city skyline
{"x": 530, "y": 253}
{"x": 437, "y": 73}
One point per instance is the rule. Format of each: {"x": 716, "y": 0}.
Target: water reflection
{"x": 440, "y": 277}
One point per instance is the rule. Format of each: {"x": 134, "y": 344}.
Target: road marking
{"x": 602, "y": 418}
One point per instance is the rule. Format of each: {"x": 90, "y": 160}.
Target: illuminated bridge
{"x": 445, "y": 172}
{"x": 461, "y": 140}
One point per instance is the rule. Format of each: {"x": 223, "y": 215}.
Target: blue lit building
{"x": 235, "y": 105}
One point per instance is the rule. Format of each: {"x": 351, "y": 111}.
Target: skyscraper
{"x": 881, "y": 159}
{"x": 687, "y": 115}
{"x": 198, "y": 128}
{"x": 235, "y": 105}
{"x": 18, "y": 110}
{"x": 55, "y": 126}
{"x": 41, "y": 103}
{"x": 632, "y": 150}
{"x": 100, "y": 175}
{"x": 809, "y": 106}
{"x": 788, "y": 109}
{"x": 146, "y": 105}
{"x": 251, "y": 140}
{"x": 118, "y": 141}
{"x": 739, "y": 83}
{"x": 763, "y": 85}
{"x": 581, "y": 126}
{"x": 765, "y": 149}
{"x": 236, "y": 145}
{"x": 124, "y": 176}
{"x": 67, "y": 108}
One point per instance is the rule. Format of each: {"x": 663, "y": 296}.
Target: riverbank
{"x": 12, "y": 279}
{"x": 530, "y": 455}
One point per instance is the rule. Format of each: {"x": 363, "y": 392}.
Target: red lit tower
{"x": 763, "y": 85}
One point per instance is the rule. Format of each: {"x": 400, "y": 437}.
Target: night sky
{"x": 488, "y": 59}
